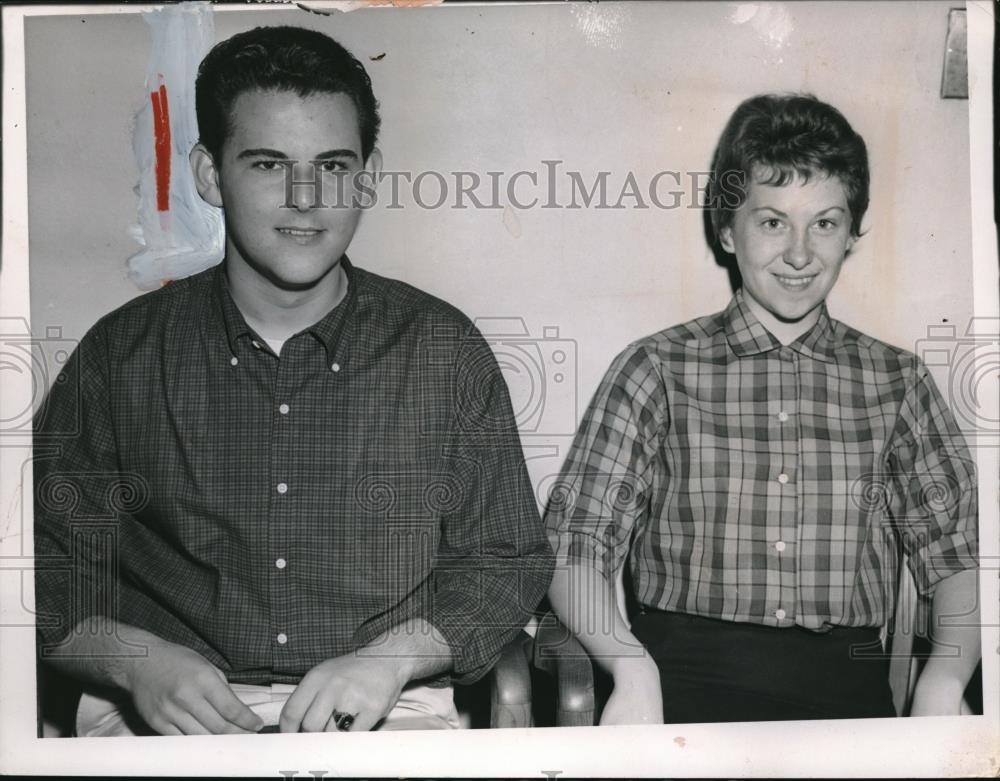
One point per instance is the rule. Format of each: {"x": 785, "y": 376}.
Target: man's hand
{"x": 364, "y": 688}
{"x": 179, "y": 692}
{"x": 636, "y": 698}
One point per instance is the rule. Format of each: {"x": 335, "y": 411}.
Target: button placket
{"x": 787, "y": 431}
{"x": 284, "y": 474}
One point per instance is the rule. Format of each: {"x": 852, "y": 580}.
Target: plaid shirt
{"x": 765, "y": 483}
{"x": 273, "y": 513}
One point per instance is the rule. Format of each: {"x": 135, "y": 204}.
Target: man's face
{"x": 275, "y": 135}
{"x": 790, "y": 242}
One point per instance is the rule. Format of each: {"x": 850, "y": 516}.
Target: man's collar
{"x": 327, "y": 330}
{"x": 331, "y": 327}
{"x": 746, "y": 335}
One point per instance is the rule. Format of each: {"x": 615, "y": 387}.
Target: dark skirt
{"x": 713, "y": 670}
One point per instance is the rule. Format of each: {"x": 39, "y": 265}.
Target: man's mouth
{"x": 794, "y": 283}
{"x": 301, "y": 235}
{"x": 300, "y": 232}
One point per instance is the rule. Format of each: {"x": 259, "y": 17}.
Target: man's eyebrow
{"x": 335, "y": 153}
{"x": 330, "y": 154}
{"x": 261, "y": 152}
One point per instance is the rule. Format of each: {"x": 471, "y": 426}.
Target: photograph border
{"x": 931, "y": 746}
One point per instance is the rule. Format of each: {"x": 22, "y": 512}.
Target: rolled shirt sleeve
{"x": 604, "y": 488}
{"x": 80, "y": 495}
{"x": 493, "y": 563}
{"x": 935, "y": 502}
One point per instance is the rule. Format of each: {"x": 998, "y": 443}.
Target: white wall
{"x": 617, "y": 87}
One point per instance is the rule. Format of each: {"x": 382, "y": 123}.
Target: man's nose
{"x": 798, "y": 252}
{"x": 306, "y": 186}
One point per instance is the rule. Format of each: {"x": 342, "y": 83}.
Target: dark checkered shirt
{"x": 273, "y": 513}
{"x": 765, "y": 483}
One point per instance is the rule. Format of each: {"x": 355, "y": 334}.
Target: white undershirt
{"x": 275, "y": 345}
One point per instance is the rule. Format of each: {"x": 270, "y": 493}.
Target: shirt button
{"x": 779, "y": 614}
{"x": 782, "y": 478}
{"x": 282, "y": 638}
{"x": 256, "y": 344}
{"x": 282, "y": 488}
{"x": 782, "y": 416}
{"x": 234, "y": 360}
{"x": 779, "y": 546}
{"x": 280, "y": 563}
{"x": 283, "y": 409}
{"x": 335, "y": 367}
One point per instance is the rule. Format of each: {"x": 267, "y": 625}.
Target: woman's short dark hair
{"x": 774, "y": 139}
{"x": 279, "y": 58}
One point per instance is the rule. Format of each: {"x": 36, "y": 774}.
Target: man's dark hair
{"x": 774, "y": 139}
{"x": 279, "y": 58}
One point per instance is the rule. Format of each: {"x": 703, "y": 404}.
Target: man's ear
{"x": 726, "y": 239}
{"x": 369, "y": 174}
{"x": 373, "y": 165}
{"x": 206, "y": 175}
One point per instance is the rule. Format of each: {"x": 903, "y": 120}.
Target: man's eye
{"x": 331, "y": 166}
{"x": 267, "y": 165}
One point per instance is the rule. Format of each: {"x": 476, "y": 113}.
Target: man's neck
{"x": 277, "y": 314}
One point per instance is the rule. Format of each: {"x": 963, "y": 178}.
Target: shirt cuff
{"x": 946, "y": 556}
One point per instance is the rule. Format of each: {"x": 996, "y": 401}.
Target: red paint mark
{"x": 161, "y": 134}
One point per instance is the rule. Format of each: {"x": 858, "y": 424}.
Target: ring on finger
{"x": 343, "y": 721}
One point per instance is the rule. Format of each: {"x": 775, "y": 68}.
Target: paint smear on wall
{"x": 180, "y": 233}
{"x": 771, "y": 21}
{"x": 601, "y": 24}
{"x": 161, "y": 143}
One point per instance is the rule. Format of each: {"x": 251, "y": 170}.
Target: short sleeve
{"x": 935, "y": 506}
{"x": 603, "y": 490}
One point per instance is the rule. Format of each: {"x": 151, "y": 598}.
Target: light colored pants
{"x": 419, "y": 707}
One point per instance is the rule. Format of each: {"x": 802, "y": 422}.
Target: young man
{"x": 314, "y": 501}
{"x": 757, "y": 467}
